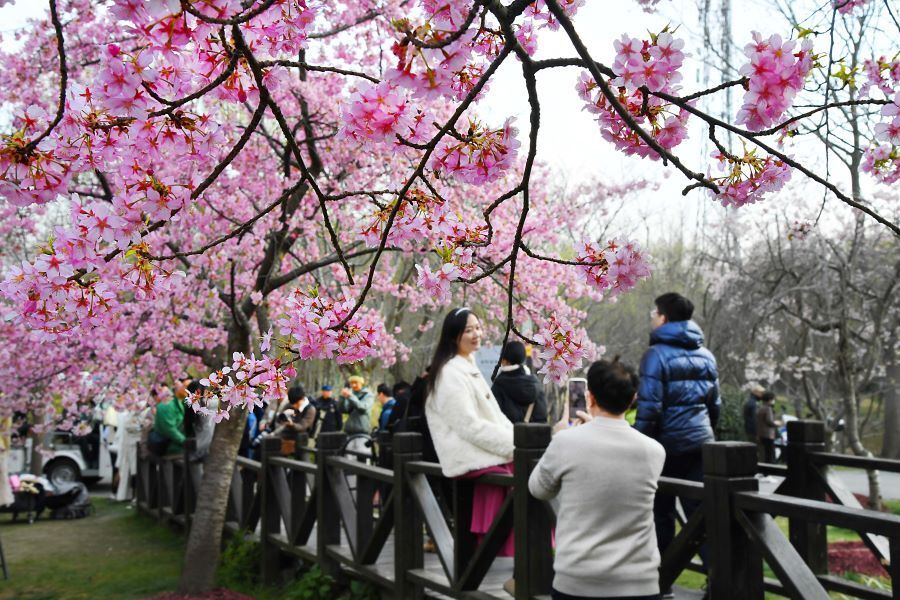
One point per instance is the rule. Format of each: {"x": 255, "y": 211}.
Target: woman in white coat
{"x": 471, "y": 434}
{"x": 128, "y": 434}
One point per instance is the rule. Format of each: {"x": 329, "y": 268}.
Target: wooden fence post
{"x": 140, "y": 494}
{"x": 297, "y": 483}
{"x": 533, "y": 567}
{"x": 189, "y": 494}
{"x": 803, "y": 481}
{"x": 408, "y": 552}
{"x": 328, "y": 516}
{"x": 269, "y": 513}
{"x": 735, "y": 563}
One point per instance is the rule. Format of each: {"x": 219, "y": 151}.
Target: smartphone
{"x": 575, "y": 391}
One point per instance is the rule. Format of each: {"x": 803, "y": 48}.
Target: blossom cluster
{"x": 614, "y": 268}
{"x": 458, "y": 263}
{"x": 538, "y": 11}
{"x": 246, "y": 383}
{"x": 419, "y": 216}
{"x": 563, "y": 349}
{"x": 479, "y": 155}
{"x": 749, "y": 178}
{"x": 883, "y": 163}
{"x": 378, "y": 112}
{"x": 776, "y": 71}
{"x": 846, "y": 7}
{"x": 883, "y": 74}
{"x": 883, "y": 160}
{"x": 652, "y": 64}
{"x": 889, "y": 131}
{"x": 311, "y": 322}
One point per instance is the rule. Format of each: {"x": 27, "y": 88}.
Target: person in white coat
{"x": 471, "y": 435}
{"x": 128, "y": 434}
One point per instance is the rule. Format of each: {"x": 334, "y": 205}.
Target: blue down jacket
{"x": 678, "y": 398}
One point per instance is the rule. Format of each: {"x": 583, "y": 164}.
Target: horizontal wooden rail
{"x": 358, "y": 454}
{"x": 426, "y": 468}
{"x": 820, "y": 512}
{"x": 361, "y": 469}
{"x": 772, "y": 469}
{"x": 858, "y": 462}
{"x": 293, "y": 465}
{"x": 681, "y": 487}
{"x": 246, "y": 463}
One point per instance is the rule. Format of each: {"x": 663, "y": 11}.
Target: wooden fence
{"x": 320, "y": 506}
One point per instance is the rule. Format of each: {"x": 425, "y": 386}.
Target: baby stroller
{"x": 70, "y": 501}
{"x": 29, "y": 497}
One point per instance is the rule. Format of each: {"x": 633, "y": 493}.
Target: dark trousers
{"x": 560, "y": 596}
{"x": 768, "y": 450}
{"x": 680, "y": 466}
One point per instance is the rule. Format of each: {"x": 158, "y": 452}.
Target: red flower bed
{"x": 853, "y": 557}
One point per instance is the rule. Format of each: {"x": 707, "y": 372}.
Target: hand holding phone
{"x": 575, "y": 397}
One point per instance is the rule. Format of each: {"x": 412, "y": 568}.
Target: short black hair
{"x": 513, "y": 353}
{"x": 401, "y": 389}
{"x": 768, "y": 395}
{"x": 383, "y": 389}
{"x": 193, "y": 387}
{"x": 296, "y": 394}
{"x": 674, "y": 307}
{"x": 613, "y": 385}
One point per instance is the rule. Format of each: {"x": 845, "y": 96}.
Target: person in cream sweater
{"x": 604, "y": 475}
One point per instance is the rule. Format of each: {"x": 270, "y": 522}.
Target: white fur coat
{"x": 468, "y": 429}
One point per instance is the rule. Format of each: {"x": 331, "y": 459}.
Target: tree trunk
{"x": 204, "y": 542}
{"x": 851, "y": 433}
{"x": 201, "y": 557}
{"x": 890, "y": 447}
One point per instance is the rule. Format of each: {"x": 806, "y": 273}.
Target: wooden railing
{"x": 368, "y": 516}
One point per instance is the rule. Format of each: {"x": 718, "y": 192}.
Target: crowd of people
{"x": 601, "y": 472}
{"x": 601, "y": 468}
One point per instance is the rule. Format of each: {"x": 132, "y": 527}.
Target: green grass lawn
{"x": 114, "y": 553}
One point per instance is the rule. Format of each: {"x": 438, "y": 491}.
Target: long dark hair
{"x": 453, "y": 327}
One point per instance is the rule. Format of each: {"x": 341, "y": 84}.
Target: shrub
{"x": 731, "y": 415}
{"x": 361, "y": 590}
{"x": 239, "y": 563}
{"x": 314, "y": 585}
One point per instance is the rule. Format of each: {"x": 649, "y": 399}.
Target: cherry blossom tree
{"x": 237, "y": 186}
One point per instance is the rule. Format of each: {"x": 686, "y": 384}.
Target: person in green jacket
{"x": 169, "y": 420}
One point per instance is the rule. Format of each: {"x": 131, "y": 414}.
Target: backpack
{"x": 157, "y": 443}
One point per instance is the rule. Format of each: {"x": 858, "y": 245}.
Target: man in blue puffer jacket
{"x": 678, "y": 401}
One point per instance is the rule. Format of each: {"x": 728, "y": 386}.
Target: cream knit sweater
{"x": 604, "y": 474}
{"x": 468, "y": 429}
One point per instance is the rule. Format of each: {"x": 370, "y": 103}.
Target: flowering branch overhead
{"x": 269, "y": 141}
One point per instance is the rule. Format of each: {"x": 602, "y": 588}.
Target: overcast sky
{"x": 570, "y": 139}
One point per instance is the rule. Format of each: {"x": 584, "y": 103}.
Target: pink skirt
{"x": 486, "y": 503}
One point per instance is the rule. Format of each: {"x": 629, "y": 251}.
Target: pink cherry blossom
{"x": 614, "y": 268}
{"x": 748, "y": 179}
{"x": 776, "y": 72}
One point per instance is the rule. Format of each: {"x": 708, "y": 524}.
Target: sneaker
{"x": 509, "y": 586}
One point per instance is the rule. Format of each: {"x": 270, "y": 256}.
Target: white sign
{"x": 487, "y": 358}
